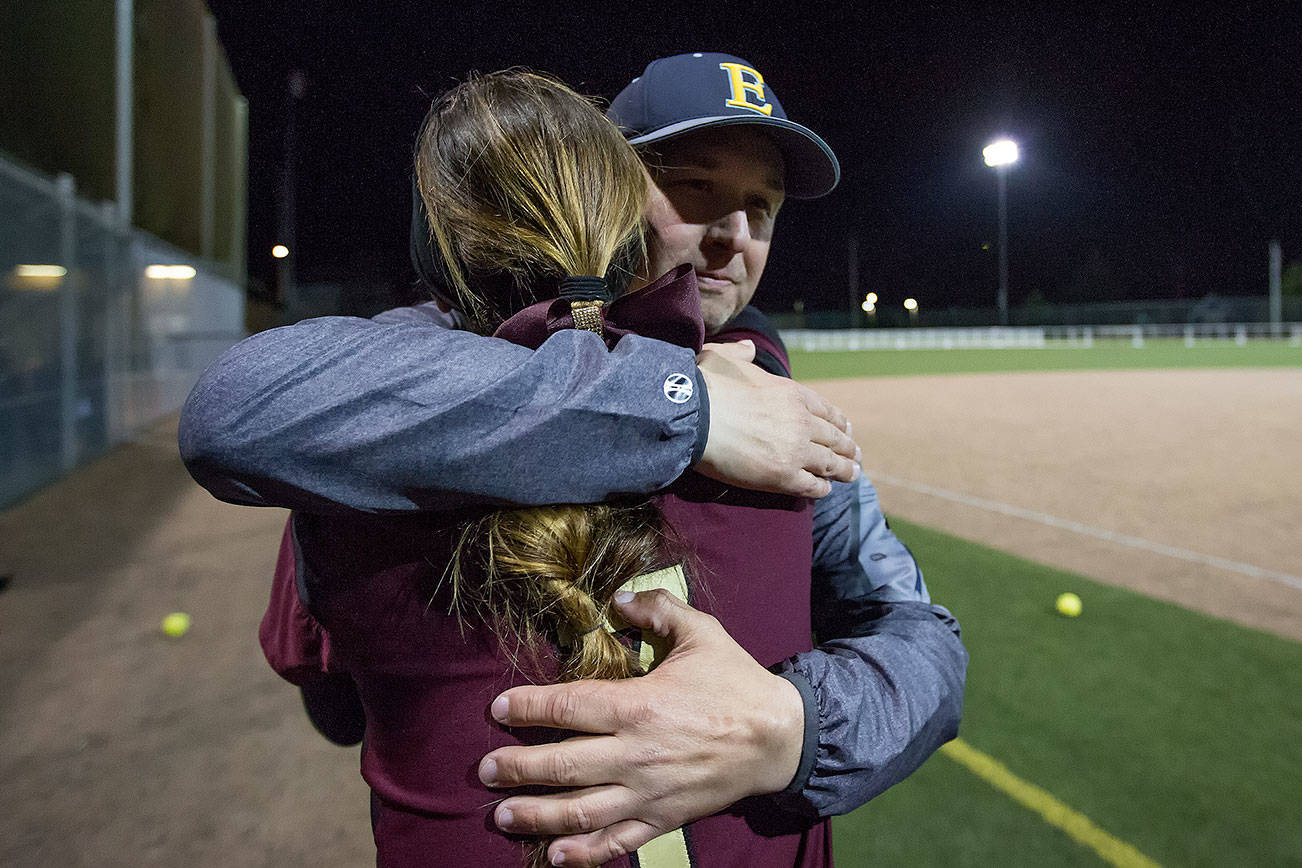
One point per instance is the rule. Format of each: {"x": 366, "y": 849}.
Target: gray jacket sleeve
{"x": 883, "y": 689}
{"x": 401, "y": 413}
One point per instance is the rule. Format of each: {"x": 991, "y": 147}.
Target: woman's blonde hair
{"x": 552, "y": 571}
{"x": 525, "y": 182}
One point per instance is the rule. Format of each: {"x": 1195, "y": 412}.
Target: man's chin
{"x": 714, "y": 323}
{"x": 717, "y": 312}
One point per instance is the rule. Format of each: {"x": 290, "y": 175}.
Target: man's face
{"x": 713, "y": 203}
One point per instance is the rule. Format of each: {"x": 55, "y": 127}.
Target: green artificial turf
{"x": 945, "y": 816}
{"x": 1112, "y": 355}
{"x": 1176, "y": 732}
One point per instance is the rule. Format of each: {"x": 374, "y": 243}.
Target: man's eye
{"x": 700, "y": 185}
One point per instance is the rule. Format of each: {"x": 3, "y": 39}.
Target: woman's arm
{"x": 395, "y": 416}
{"x": 401, "y": 414}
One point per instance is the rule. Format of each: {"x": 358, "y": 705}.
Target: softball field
{"x": 1144, "y": 731}
{"x": 1161, "y": 726}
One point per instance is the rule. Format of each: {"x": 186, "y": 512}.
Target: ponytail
{"x": 526, "y": 183}
{"x": 552, "y": 571}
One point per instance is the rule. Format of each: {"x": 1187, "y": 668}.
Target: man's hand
{"x": 769, "y": 433}
{"x": 705, "y": 728}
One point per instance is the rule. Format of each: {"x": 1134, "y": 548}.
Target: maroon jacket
{"x": 361, "y": 594}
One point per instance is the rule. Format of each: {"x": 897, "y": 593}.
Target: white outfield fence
{"x": 1034, "y": 337}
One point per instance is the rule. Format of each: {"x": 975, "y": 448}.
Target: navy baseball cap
{"x": 688, "y": 92}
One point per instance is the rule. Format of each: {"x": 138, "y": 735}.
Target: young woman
{"x": 534, "y": 204}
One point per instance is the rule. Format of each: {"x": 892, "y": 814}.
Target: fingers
{"x": 832, "y": 454}
{"x": 576, "y": 762}
{"x": 570, "y": 813}
{"x": 825, "y": 409}
{"x": 826, "y": 434}
{"x": 597, "y": 848}
{"x": 836, "y": 455}
{"x": 808, "y": 485}
{"x": 584, "y": 706}
{"x": 660, "y": 612}
{"x": 741, "y": 351}
{"x": 827, "y": 465}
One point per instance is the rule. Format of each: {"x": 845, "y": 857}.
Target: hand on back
{"x": 707, "y": 727}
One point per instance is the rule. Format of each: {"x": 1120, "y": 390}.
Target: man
{"x": 394, "y": 415}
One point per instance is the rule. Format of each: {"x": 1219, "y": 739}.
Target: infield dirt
{"x": 1206, "y": 462}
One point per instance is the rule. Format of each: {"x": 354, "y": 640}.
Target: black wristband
{"x": 809, "y": 748}
{"x": 702, "y": 418}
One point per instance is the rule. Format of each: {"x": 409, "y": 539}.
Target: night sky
{"x": 1161, "y": 150}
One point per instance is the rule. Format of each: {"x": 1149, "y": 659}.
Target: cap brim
{"x": 812, "y": 169}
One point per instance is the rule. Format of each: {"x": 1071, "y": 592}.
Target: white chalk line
{"x": 1096, "y": 532}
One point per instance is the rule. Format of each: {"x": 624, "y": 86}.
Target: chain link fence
{"x": 103, "y": 328}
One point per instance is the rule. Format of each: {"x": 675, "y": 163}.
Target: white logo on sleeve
{"x": 678, "y": 388}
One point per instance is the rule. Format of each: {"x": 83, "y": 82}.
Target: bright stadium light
{"x": 1000, "y": 153}
{"x": 871, "y": 298}
{"x": 868, "y": 306}
{"x": 280, "y": 251}
{"x": 169, "y": 272}
{"x": 910, "y": 304}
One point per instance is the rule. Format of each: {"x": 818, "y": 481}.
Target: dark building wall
{"x": 57, "y": 113}
{"x": 169, "y": 118}
{"x": 230, "y": 183}
{"x": 56, "y": 89}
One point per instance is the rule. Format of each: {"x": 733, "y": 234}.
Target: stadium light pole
{"x": 911, "y": 305}
{"x": 287, "y": 218}
{"x": 1000, "y": 155}
{"x": 124, "y": 109}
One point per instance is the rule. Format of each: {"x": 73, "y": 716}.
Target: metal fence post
{"x": 113, "y": 325}
{"x": 208, "y": 138}
{"x": 1276, "y": 298}
{"x": 124, "y": 105}
{"x": 66, "y": 189}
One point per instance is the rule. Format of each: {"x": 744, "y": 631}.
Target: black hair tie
{"x": 587, "y": 295}
{"x": 585, "y": 288}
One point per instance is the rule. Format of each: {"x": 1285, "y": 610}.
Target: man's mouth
{"x": 713, "y": 282}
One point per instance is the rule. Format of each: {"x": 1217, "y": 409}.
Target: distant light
{"x": 169, "y": 272}
{"x": 910, "y": 304}
{"x": 871, "y": 298}
{"x": 868, "y": 307}
{"x": 985, "y": 246}
{"x": 280, "y": 251}
{"x": 36, "y": 278}
{"x": 46, "y": 271}
{"x": 1000, "y": 153}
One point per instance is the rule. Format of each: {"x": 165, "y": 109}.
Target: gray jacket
{"x": 405, "y": 413}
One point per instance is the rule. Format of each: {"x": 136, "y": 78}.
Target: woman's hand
{"x": 770, "y": 433}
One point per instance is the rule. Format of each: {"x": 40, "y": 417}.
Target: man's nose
{"x": 732, "y": 230}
